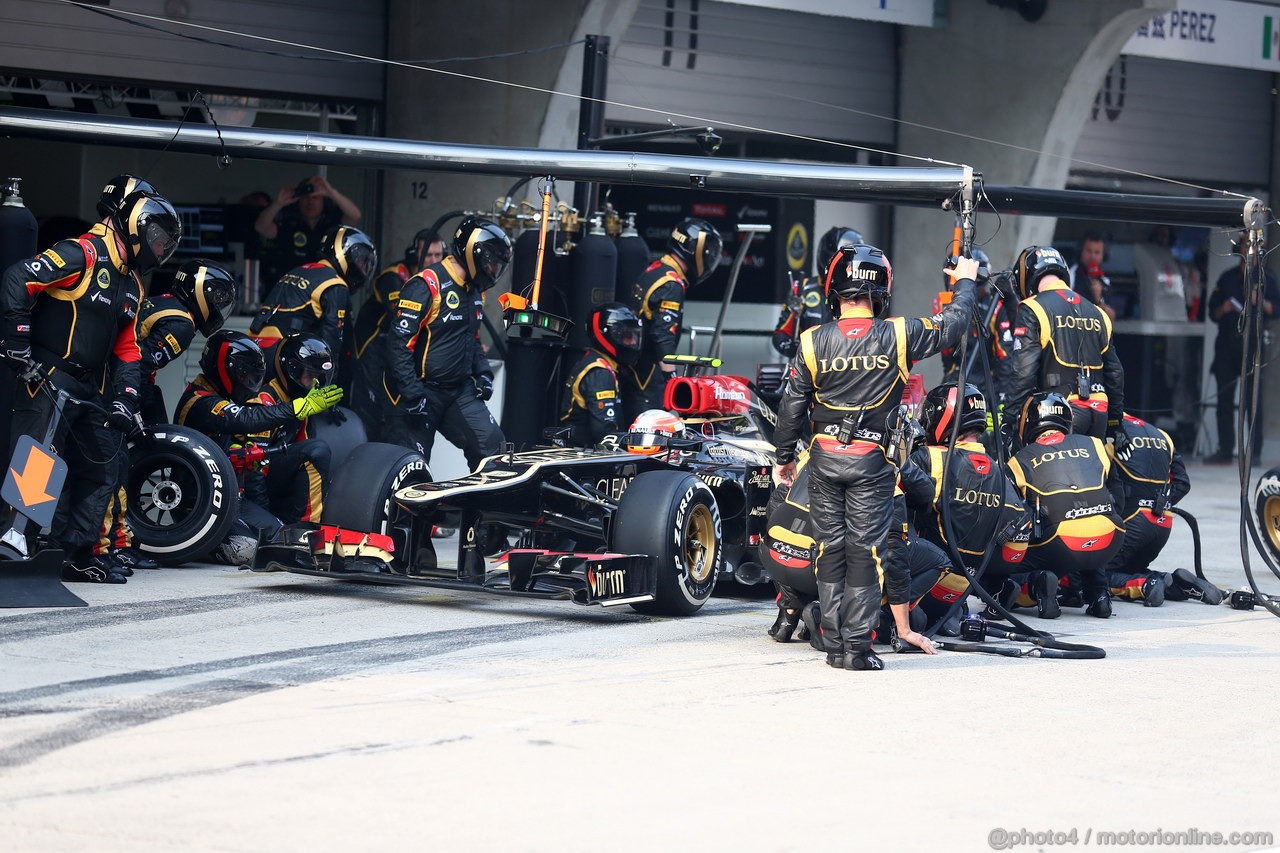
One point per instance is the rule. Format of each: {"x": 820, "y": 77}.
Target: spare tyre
{"x": 183, "y": 495}
{"x": 362, "y": 487}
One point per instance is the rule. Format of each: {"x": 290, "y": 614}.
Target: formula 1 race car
{"x": 654, "y": 529}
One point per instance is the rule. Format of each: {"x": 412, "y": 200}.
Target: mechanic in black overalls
{"x": 1066, "y": 347}
{"x": 848, "y": 375}
{"x": 590, "y": 400}
{"x": 226, "y": 403}
{"x": 1153, "y": 478}
{"x": 313, "y": 299}
{"x": 983, "y": 504}
{"x": 1068, "y": 484}
{"x": 200, "y": 298}
{"x": 371, "y": 327}
{"x": 808, "y": 305}
{"x": 437, "y": 377}
{"x": 70, "y": 319}
{"x": 693, "y": 252}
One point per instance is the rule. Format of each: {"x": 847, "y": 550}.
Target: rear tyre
{"x": 672, "y": 516}
{"x": 361, "y": 492}
{"x": 1266, "y": 505}
{"x": 343, "y": 438}
{"x": 183, "y": 495}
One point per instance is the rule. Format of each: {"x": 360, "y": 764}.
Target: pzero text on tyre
{"x": 672, "y": 516}
{"x": 182, "y": 494}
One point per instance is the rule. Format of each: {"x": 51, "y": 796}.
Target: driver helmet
{"x": 650, "y": 430}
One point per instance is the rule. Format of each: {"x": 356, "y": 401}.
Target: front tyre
{"x": 672, "y": 516}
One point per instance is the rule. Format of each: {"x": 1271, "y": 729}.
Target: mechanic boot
{"x": 1070, "y": 597}
{"x": 1197, "y": 588}
{"x": 132, "y": 558}
{"x": 97, "y": 568}
{"x": 1007, "y": 596}
{"x": 1153, "y": 591}
{"x": 1044, "y": 587}
{"x": 950, "y": 626}
{"x": 861, "y": 659}
{"x": 811, "y": 619}
{"x": 1101, "y": 606}
{"x": 785, "y": 625}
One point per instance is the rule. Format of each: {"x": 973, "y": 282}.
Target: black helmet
{"x": 207, "y": 291}
{"x": 859, "y": 271}
{"x": 150, "y": 229}
{"x": 616, "y": 330}
{"x": 939, "y": 408}
{"x": 233, "y": 364}
{"x": 1033, "y": 264}
{"x": 696, "y": 243}
{"x": 115, "y": 192}
{"x": 352, "y": 254}
{"x": 1041, "y": 413}
{"x": 302, "y": 362}
{"x": 836, "y": 238}
{"x": 484, "y": 250}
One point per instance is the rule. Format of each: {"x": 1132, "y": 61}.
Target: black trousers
{"x": 1226, "y": 372}
{"x": 457, "y": 414}
{"x": 851, "y": 506}
{"x": 87, "y": 446}
{"x": 297, "y": 481}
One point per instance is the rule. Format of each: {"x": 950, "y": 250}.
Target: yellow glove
{"x": 317, "y": 400}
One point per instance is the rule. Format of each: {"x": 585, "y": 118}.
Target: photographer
{"x": 293, "y": 226}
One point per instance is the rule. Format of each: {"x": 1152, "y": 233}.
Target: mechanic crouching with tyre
{"x": 282, "y": 480}
{"x": 590, "y": 402}
{"x": 846, "y": 378}
{"x": 70, "y": 319}
{"x": 437, "y": 377}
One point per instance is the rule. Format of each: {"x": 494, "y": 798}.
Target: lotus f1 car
{"x": 593, "y": 526}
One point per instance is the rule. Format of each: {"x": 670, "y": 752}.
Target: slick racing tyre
{"x": 182, "y": 492}
{"x": 672, "y": 516}
{"x": 1266, "y": 505}
{"x": 342, "y": 436}
{"x": 361, "y": 492}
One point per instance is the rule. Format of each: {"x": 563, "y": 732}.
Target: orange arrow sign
{"x": 34, "y": 478}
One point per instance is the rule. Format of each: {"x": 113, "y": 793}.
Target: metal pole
{"x": 749, "y": 232}
{"x": 595, "y": 72}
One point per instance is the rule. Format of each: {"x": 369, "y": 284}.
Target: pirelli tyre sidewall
{"x": 1266, "y": 505}
{"x": 182, "y": 494}
{"x": 672, "y": 517}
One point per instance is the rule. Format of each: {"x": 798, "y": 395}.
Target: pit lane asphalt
{"x": 207, "y": 709}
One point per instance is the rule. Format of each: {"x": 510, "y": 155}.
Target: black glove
{"x": 17, "y": 351}
{"x": 1003, "y": 283}
{"x": 416, "y": 407}
{"x": 1119, "y": 439}
{"x": 786, "y": 346}
{"x": 484, "y": 386}
{"x": 123, "y": 416}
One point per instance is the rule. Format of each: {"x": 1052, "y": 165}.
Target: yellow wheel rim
{"x": 700, "y": 544}
{"x": 1271, "y": 517}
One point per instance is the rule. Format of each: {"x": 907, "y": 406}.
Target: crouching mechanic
{"x": 1152, "y": 478}
{"x": 437, "y": 377}
{"x": 225, "y": 403}
{"x": 200, "y": 299}
{"x": 846, "y": 378}
{"x": 70, "y": 320}
{"x": 984, "y": 507}
{"x": 1068, "y": 483}
{"x": 590, "y": 401}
